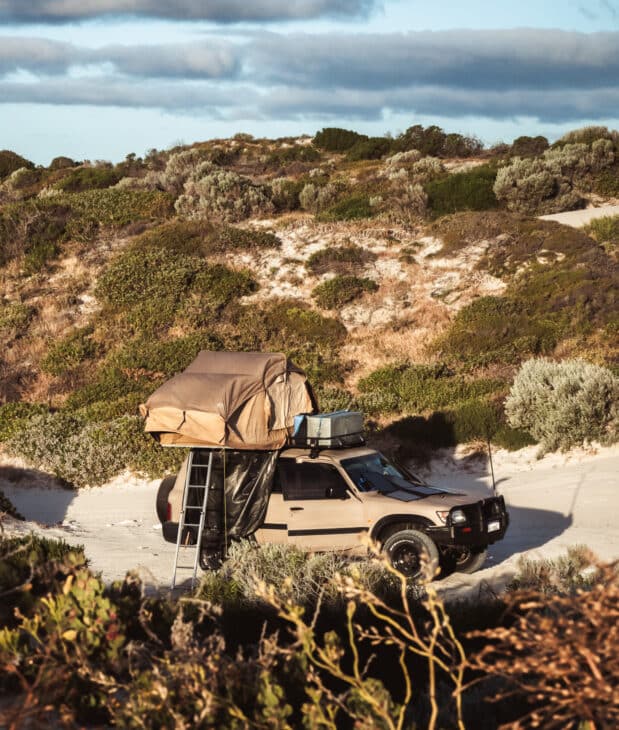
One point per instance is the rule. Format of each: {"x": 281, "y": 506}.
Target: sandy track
{"x": 580, "y": 218}
{"x": 554, "y": 503}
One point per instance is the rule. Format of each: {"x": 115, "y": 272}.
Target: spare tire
{"x": 163, "y": 493}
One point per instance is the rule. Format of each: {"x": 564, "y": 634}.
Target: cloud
{"x": 469, "y": 59}
{"x": 206, "y": 59}
{"x": 553, "y": 76}
{"x": 222, "y": 11}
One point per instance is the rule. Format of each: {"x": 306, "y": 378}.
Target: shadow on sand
{"x": 38, "y": 496}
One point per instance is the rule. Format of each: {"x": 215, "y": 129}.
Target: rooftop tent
{"x": 238, "y": 400}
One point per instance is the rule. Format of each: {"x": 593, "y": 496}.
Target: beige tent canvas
{"x": 238, "y": 400}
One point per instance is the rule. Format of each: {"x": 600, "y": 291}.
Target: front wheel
{"x": 412, "y": 553}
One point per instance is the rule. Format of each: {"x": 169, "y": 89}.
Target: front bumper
{"x": 486, "y": 523}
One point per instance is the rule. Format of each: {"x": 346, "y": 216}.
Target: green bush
{"x": 112, "y": 208}
{"x": 351, "y": 208}
{"x": 11, "y": 161}
{"x": 470, "y": 190}
{"x": 607, "y": 182}
{"x": 605, "y": 231}
{"x": 309, "y": 338}
{"x": 369, "y": 149}
{"x": 588, "y": 135}
{"x": 334, "y": 139}
{"x": 14, "y": 318}
{"x": 334, "y": 293}
{"x": 88, "y": 178}
{"x": 162, "y": 357}
{"x": 435, "y": 142}
{"x": 223, "y": 195}
{"x": 340, "y": 260}
{"x": 565, "y": 404}
{"x": 286, "y": 194}
{"x": 87, "y": 453}
{"x": 62, "y": 162}
{"x": 34, "y": 229}
{"x": 526, "y": 146}
{"x": 13, "y": 415}
{"x": 66, "y": 354}
{"x": 496, "y": 329}
{"x": 419, "y": 388}
{"x": 293, "y": 153}
{"x": 475, "y": 420}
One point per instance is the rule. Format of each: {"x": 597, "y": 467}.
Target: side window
{"x": 305, "y": 480}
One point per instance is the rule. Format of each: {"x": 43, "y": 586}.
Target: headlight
{"x": 458, "y": 517}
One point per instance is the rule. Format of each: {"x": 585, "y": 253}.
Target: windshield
{"x": 375, "y": 473}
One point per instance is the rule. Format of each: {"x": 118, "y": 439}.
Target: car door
{"x": 322, "y": 512}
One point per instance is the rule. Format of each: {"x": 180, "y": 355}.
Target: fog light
{"x": 458, "y": 517}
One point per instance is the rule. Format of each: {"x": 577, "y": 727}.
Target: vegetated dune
{"x": 410, "y": 278}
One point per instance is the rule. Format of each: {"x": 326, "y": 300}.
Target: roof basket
{"x": 340, "y": 429}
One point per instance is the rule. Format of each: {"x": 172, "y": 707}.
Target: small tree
{"x": 565, "y": 404}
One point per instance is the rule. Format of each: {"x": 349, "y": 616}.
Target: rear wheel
{"x": 412, "y": 553}
{"x": 163, "y": 493}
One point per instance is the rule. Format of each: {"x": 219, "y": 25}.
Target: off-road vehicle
{"x": 333, "y": 499}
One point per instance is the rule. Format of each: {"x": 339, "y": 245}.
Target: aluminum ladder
{"x": 201, "y": 503}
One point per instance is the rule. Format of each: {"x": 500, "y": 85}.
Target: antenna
{"x": 491, "y": 467}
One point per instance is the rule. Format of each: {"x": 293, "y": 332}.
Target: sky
{"x": 99, "y": 79}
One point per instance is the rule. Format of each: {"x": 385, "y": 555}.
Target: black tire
{"x": 468, "y": 559}
{"x": 412, "y": 553}
{"x": 163, "y": 493}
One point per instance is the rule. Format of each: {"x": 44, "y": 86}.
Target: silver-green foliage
{"x": 211, "y": 192}
{"x": 84, "y": 453}
{"x": 301, "y": 576}
{"x": 553, "y": 183}
{"x": 565, "y": 404}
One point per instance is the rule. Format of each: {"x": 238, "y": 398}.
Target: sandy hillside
{"x": 554, "y": 502}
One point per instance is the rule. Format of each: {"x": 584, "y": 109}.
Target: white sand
{"x": 580, "y": 218}
{"x": 555, "y": 502}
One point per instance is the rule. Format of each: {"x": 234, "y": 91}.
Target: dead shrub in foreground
{"x": 561, "y": 655}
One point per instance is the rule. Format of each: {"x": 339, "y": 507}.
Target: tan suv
{"x": 333, "y": 499}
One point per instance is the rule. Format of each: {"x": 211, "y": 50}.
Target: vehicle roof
{"x": 331, "y": 454}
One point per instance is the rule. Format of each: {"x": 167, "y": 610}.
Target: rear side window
{"x": 310, "y": 481}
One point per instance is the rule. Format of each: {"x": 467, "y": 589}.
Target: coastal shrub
{"x": 436, "y": 142}
{"x": 33, "y": 229}
{"x": 69, "y": 352}
{"x": 311, "y": 339}
{"x": 20, "y": 184}
{"x": 606, "y": 183}
{"x": 350, "y": 208}
{"x": 61, "y": 163}
{"x": 316, "y": 198}
{"x": 162, "y": 357}
{"x": 425, "y": 169}
{"x": 112, "y": 208}
{"x": 588, "y": 135}
{"x": 498, "y": 329}
{"x": 14, "y": 414}
{"x": 83, "y": 453}
{"x": 526, "y": 146}
{"x": 419, "y": 388}
{"x": 565, "y": 404}
{"x": 348, "y": 259}
{"x": 11, "y": 161}
{"x": 335, "y": 293}
{"x": 14, "y": 318}
{"x": 372, "y": 148}
{"x": 605, "y": 231}
{"x": 283, "y": 156}
{"x": 223, "y": 195}
{"x": 88, "y": 178}
{"x": 285, "y": 194}
{"x": 470, "y": 190}
{"x": 407, "y": 203}
{"x": 335, "y": 139}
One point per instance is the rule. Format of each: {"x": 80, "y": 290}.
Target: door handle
{"x": 296, "y": 509}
